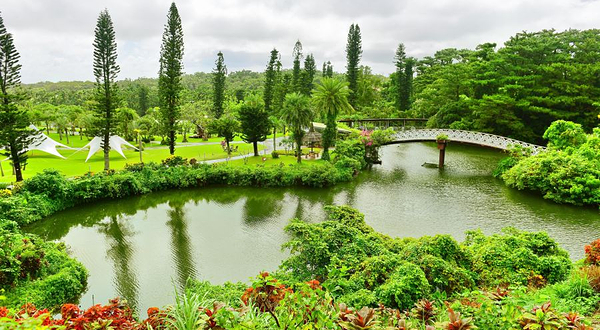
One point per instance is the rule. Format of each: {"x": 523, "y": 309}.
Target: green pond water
{"x": 142, "y": 248}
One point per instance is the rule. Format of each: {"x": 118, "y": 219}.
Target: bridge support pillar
{"x": 441, "y": 144}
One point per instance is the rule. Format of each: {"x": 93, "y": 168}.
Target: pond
{"x": 142, "y": 248}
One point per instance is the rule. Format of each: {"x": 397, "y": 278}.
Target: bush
{"x": 568, "y": 172}
{"x": 592, "y": 253}
{"x": 38, "y": 272}
{"x": 406, "y": 285}
{"x": 517, "y": 257}
{"x": 275, "y": 154}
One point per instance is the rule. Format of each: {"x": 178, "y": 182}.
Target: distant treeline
{"x": 516, "y": 90}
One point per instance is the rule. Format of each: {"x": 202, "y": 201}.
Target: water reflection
{"x": 181, "y": 246}
{"x": 118, "y": 234}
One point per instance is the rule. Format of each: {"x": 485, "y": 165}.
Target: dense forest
{"x": 515, "y": 90}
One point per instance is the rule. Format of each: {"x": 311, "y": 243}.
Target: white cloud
{"x": 55, "y": 37}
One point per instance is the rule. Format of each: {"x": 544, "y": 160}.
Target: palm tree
{"x": 331, "y": 98}
{"x": 298, "y": 115}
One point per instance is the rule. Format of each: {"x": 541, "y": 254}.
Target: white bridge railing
{"x": 484, "y": 139}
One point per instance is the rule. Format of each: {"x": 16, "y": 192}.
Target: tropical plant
{"x": 297, "y": 115}
{"x": 330, "y": 98}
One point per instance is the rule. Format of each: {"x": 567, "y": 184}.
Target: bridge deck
{"x": 483, "y": 139}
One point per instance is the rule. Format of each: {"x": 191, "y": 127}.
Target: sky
{"x": 54, "y": 37}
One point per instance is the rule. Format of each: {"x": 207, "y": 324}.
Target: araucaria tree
{"x": 219, "y": 75}
{"x": 270, "y": 80}
{"x": 169, "y": 75}
{"x": 105, "y": 72}
{"x": 15, "y": 134}
{"x": 330, "y": 99}
{"x": 296, "y": 71}
{"x": 353, "y": 55}
{"x": 254, "y": 120}
{"x": 404, "y": 77}
{"x": 308, "y": 75}
{"x": 327, "y": 69}
{"x": 298, "y": 115}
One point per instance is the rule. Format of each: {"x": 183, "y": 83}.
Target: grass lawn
{"x": 268, "y": 160}
{"x": 75, "y": 163}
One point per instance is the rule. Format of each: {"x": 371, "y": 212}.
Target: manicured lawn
{"x": 268, "y": 160}
{"x": 75, "y": 163}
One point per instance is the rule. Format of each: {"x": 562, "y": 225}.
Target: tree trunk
{"x": 80, "y": 133}
{"x": 172, "y": 142}
{"x": 106, "y": 148}
{"x": 299, "y": 150}
{"x": 47, "y": 128}
{"x": 255, "y": 143}
{"x": 228, "y": 148}
{"x": 274, "y": 139}
{"x": 67, "y": 135}
{"x": 16, "y": 163}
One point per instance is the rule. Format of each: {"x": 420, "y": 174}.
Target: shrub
{"x": 592, "y": 253}
{"x": 275, "y": 154}
{"x": 406, "y": 285}
{"x": 38, "y": 272}
{"x": 516, "y": 257}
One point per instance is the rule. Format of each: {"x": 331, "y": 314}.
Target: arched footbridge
{"x": 470, "y": 137}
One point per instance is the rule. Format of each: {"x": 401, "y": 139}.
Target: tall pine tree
{"x": 296, "y": 70}
{"x": 308, "y": 74}
{"x": 404, "y": 77}
{"x": 219, "y": 75}
{"x": 15, "y": 134}
{"x": 169, "y": 76}
{"x": 105, "y": 72}
{"x": 353, "y": 56}
{"x": 270, "y": 80}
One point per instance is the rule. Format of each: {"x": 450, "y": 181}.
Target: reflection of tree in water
{"x": 181, "y": 247}
{"x": 120, "y": 251}
{"x": 262, "y": 205}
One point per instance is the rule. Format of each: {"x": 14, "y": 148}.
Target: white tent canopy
{"x": 44, "y": 143}
{"x": 116, "y": 143}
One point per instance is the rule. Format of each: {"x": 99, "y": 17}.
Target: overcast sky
{"x": 54, "y": 37}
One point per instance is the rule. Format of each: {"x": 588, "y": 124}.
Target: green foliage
{"x": 566, "y": 173}
{"x": 271, "y": 77}
{"x": 362, "y": 267}
{"x": 563, "y": 134}
{"x": 353, "y": 56}
{"x": 38, "y": 272}
{"x": 227, "y": 127}
{"x": 219, "y": 75}
{"x": 516, "y": 90}
{"x": 406, "y": 285}
{"x": 254, "y": 120}
{"x": 15, "y": 134}
{"x": 169, "y": 75}
{"x": 331, "y": 98}
{"x": 517, "y": 257}
{"x": 298, "y": 115}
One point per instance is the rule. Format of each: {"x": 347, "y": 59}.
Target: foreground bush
{"x": 38, "y": 272}
{"x": 361, "y": 267}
